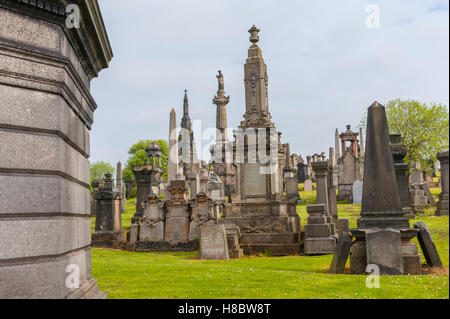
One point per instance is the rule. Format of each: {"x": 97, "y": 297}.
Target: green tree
{"x": 137, "y": 156}
{"x": 424, "y": 129}
{"x": 99, "y": 169}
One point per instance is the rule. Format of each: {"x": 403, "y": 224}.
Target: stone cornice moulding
{"x": 90, "y": 41}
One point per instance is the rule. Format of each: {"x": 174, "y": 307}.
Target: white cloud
{"x": 325, "y": 66}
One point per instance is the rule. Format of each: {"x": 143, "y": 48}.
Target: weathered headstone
{"x": 177, "y": 214}
{"x": 384, "y": 250}
{"x": 427, "y": 244}
{"x": 430, "y": 198}
{"x": 308, "y": 185}
{"x": 203, "y": 213}
{"x": 357, "y": 192}
{"x": 152, "y": 227}
{"x": 344, "y": 243}
{"x": 443, "y": 204}
{"x": 213, "y": 242}
{"x": 233, "y": 235}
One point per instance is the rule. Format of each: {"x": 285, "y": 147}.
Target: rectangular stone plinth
{"x": 152, "y": 232}
{"x": 318, "y": 230}
{"x": 320, "y": 246}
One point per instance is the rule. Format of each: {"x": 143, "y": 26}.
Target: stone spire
{"x": 119, "y": 176}
{"x": 256, "y": 86}
{"x": 172, "y": 165}
{"x": 221, "y": 101}
{"x": 337, "y": 146}
{"x": 381, "y": 205}
{"x": 186, "y": 120}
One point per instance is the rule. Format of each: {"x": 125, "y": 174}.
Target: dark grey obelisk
{"x": 383, "y": 234}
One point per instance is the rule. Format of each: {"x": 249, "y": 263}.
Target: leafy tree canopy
{"x": 99, "y": 169}
{"x": 137, "y": 156}
{"x": 424, "y": 129}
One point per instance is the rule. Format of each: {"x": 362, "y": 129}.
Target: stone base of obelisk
{"x": 266, "y": 227}
{"x": 409, "y": 253}
{"x": 442, "y": 205}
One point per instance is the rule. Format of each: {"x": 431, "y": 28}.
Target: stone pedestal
{"x": 153, "y": 222}
{"x": 318, "y": 239}
{"x": 233, "y": 236}
{"x": 442, "y": 206}
{"x": 177, "y": 214}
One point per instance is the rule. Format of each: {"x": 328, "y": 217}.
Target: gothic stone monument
{"x": 148, "y": 176}
{"x": 108, "y": 222}
{"x": 350, "y": 165}
{"x": 383, "y": 235}
{"x": 260, "y": 210}
{"x": 46, "y": 115}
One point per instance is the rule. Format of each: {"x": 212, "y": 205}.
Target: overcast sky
{"x": 325, "y": 65}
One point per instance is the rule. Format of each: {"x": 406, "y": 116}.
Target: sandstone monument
{"x": 259, "y": 208}
{"x": 46, "y": 115}
{"x": 350, "y": 164}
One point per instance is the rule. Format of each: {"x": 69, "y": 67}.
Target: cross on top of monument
{"x": 254, "y": 37}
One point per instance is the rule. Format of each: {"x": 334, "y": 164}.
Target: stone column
{"x": 321, "y": 172}
{"x": 337, "y": 146}
{"x": 442, "y": 207}
{"x": 46, "y": 113}
{"x": 332, "y": 201}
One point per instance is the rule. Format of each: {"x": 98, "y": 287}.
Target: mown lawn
{"x": 183, "y": 275}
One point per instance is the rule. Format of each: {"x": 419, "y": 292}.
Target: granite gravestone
{"x": 357, "y": 192}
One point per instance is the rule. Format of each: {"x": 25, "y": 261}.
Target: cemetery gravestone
{"x": 213, "y": 242}
{"x": 357, "y": 192}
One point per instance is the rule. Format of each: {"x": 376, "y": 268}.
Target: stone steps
{"x": 272, "y": 249}
{"x": 269, "y": 238}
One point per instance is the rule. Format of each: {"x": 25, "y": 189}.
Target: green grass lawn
{"x": 181, "y": 275}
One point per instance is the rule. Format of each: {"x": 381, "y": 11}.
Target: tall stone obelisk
{"x": 172, "y": 165}
{"x": 383, "y": 234}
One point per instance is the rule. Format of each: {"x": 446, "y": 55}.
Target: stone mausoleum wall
{"x": 46, "y": 113}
